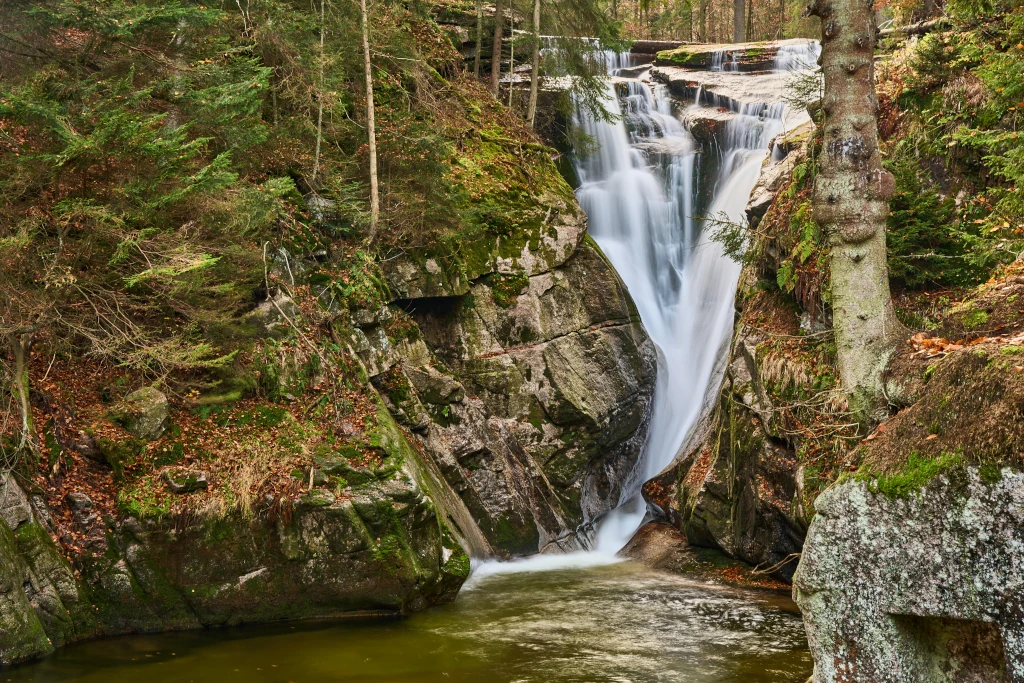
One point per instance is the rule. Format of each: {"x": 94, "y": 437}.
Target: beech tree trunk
{"x": 371, "y": 129}
{"x": 499, "y": 19}
{"x": 739, "y": 21}
{"x": 479, "y": 36}
{"x": 531, "y": 109}
{"x": 702, "y": 19}
{"x": 851, "y": 203}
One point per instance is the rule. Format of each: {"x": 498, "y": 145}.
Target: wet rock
{"x": 145, "y": 413}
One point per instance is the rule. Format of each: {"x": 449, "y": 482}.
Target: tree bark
{"x": 739, "y": 21}
{"x": 21, "y": 349}
{"x": 851, "y": 203}
{"x": 371, "y": 129}
{"x": 320, "y": 101}
{"x": 702, "y": 17}
{"x": 479, "y": 37}
{"x": 531, "y": 109}
{"x": 499, "y": 20}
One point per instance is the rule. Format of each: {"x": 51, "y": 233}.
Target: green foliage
{"x": 506, "y": 288}
{"x": 965, "y": 90}
{"x": 927, "y": 243}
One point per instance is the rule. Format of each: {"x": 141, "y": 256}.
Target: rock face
{"x": 929, "y": 587}
{"x": 559, "y": 366}
{"x": 384, "y": 549}
{"x": 738, "y": 489}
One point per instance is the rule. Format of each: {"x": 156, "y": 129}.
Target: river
{"x": 616, "y": 622}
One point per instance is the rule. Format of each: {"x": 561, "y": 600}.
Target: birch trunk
{"x": 851, "y": 203}
{"x": 371, "y": 130}
{"x": 531, "y": 109}
{"x": 499, "y": 19}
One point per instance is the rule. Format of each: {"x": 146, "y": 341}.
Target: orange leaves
{"x": 931, "y": 347}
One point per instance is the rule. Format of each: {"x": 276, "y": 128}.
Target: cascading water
{"x": 647, "y": 186}
{"x": 641, "y": 194}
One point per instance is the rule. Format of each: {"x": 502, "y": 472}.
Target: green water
{"x": 613, "y": 623}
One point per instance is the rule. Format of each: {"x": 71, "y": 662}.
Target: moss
{"x": 120, "y": 454}
{"x": 991, "y": 473}
{"x": 144, "y": 501}
{"x": 974, "y": 318}
{"x": 505, "y": 289}
{"x": 458, "y": 564}
{"x": 916, "y": 473}
{"x": 683, "y": 57}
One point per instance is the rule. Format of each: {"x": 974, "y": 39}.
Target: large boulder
{"x": 145, "y": 413}
{"x": 921, "y": 587}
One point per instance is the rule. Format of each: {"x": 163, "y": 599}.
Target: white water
{"x": 640, "y": 190}
{"x": 681, "y": 281}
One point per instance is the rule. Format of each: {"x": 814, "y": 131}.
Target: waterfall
{"x": 641, "y": 190}
{"x": 646, "y": 186}
{"x": 797, "y": 56}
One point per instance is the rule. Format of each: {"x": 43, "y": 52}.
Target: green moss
{"x": 916, "y": 473}
{"x": 458, "y": 564}
{"x": 506, "y": 288}
{"x": 974, "y": 318}
{"x": 683, "y": 57}
{"x": 120, "y": 454}
{"x": 144, "y": 501}
{"x": 991, "y": 473}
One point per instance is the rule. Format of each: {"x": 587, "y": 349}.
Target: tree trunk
{"x": 21, "y": 349}
{"x": 499, "y": 19}
{"x": 320, "y": 101}
{"x": 702, "y": 17}
{"x": 851, "y": 202}
{"x": 511, "y": 55}
{"x": 531, "y": 109}
{"x": 371, "y": 130}
{"x": 479, "y": 37}
{"x": 739, "y": 21}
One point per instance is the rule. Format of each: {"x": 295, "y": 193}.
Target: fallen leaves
{"x": 931, "y": 347}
